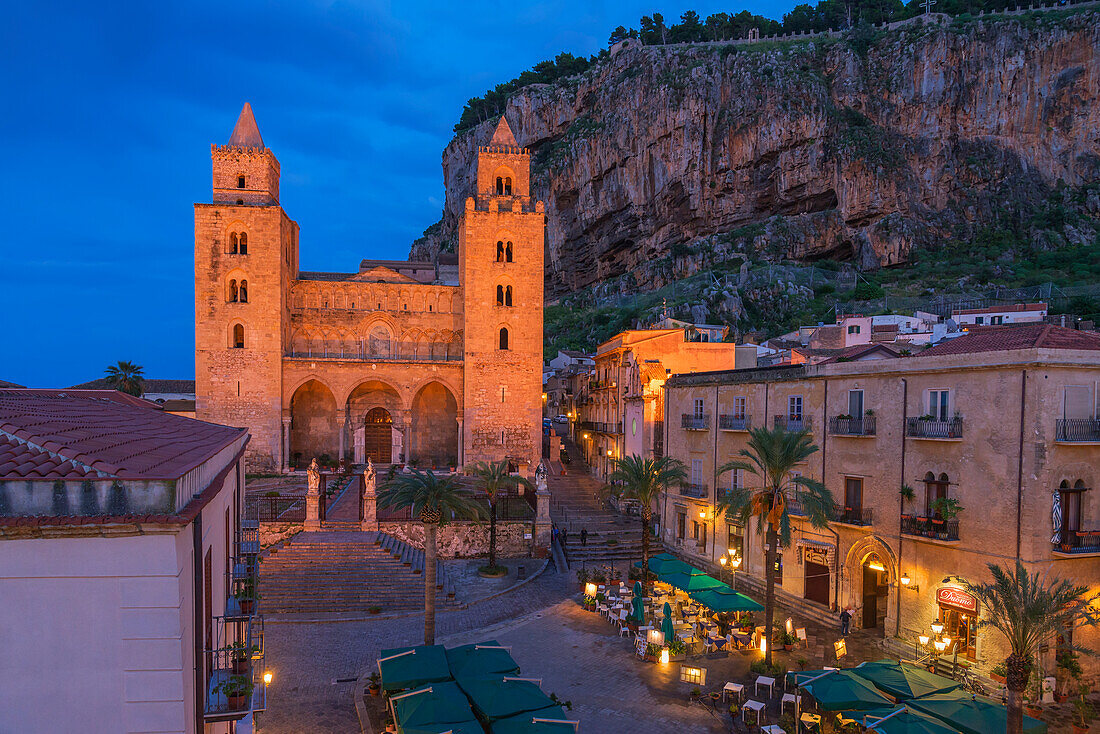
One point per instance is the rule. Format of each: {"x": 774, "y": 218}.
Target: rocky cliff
{"x": 861, "y": 148}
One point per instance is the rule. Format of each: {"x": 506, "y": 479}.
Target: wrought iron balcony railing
{"x": 854, "y": 515}
{"x": 699, "y": 491}
{"x": 930, "y": 527}
{"x": 845, "y": 426}
{"x": 1077, "y": 429}
{"x": 693, "y": 422}
{"x": 794, "y": 422}
{"x": 1079, "y": 541}
{"x": 734, "y": 422}
{"x": 929, "y": 428}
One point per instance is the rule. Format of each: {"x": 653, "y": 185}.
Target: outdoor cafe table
{"x": 766, "y": 681}
{"x": 732, "y": 687}
{"x": 773, "y": 729}
{"x": 751, "y": 705}
{"x": 811, "y": 722}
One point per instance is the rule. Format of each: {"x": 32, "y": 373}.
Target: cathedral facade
{"x": 433, "y": 364}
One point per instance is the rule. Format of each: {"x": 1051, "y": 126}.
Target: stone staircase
{"x": 347, "y": 571}
{"x": 613, "y": 538}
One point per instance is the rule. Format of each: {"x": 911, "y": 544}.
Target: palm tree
{"x": 494, "y": 479}
{"x": 433, "y": 501}
{"x": 1029, "y": 610}
{"x": 126, "y": 377}
{"x": 771, "y": 455}
{"x": 643, "y": 480}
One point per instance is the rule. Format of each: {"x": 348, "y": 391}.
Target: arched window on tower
{"x": 240, "y": 182}
{"x": 500, "y": 295}
{"x": 233, "y": 295}
{"x": 508, "y": 295}
{"x": 508, "y": 252}
{"x": 233, "y": 243}
{"x": 244, "y": 291}
{"x": 500, "y": 251}
{"x": 508, "y": 186}
{"x": 503, "y": 337}
{"x": 244, "y": 243}
{"x": 238, "y": 336}
{"x": 500, "y": 185}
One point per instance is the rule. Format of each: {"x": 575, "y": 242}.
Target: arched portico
{"x": 374, "y": 409}
{"x": 314, "y": 430}
{"x": 435, "y": 432}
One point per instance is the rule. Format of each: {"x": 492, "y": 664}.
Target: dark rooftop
{"x": 1016, "y": 336}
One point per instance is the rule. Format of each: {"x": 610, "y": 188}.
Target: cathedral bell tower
{"x": 245, "y": 258}
{"x": 500, "y": 248}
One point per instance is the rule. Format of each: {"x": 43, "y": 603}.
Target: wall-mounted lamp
{"x": 609, "y": 452}
{"x": 876, "y": 566}
{"x": 908, "y": 582}
{"x": 267, "y": 677}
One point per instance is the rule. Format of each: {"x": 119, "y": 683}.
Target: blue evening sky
{"x": 110, "y": 109}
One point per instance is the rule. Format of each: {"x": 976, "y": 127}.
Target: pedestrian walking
{"x": 564, "y": 536}
{"x": 845, "y": 621}
{"x": 584, "y": 536}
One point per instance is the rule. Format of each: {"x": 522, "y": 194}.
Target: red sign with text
{"x": 957, "y": 599}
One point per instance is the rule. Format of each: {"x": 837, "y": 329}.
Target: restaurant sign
{"x": 955, "y": 598}
{"x": 816, "y": 555}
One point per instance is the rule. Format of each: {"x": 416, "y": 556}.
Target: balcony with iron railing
{"x": 608, "y": 427}
{"x": 234, "y": 664}
{"x": 695, "y": 422}
{"x": 793, "y": 422}
{"x": 1078, "y": 541}
{"x": 930, "y": 527}
{"x": 1077, "y": 430}
{"x": 404, "y": 353}
{"x": 689, "y": 489}
{"x": 952, "y": 428}
{"x": 734, "y": 422}
{"x": 861, "y": 516}
{"x": 844, "y": 425}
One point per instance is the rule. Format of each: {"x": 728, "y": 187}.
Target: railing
{"x": 409, "y": 355}
{"x": 248, "y": 542}
{"x": 600, "y": 384}
{"x": 854, "y": 515}
{"x": 928, "y": 428}
{"x": 693, "y": 422}
{"x": 235, "y": 685}
{"x": 699, "y": 491}
{"x": 275, "y": 509}
{"x": 731, "y": 422}
{"x": 930, "y": 527}
{"x": 1077, "y": 429}
{"x": 587, "y": 425}
{"x": 793, "y": 423}
{"x": 604, "y": 427}
{"x": 1079, "y": 541}
{"x": 842, "y": 426}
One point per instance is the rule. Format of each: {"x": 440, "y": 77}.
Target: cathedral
{"x": 431, "y": 364}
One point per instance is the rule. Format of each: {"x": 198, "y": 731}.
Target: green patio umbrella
{"x": 971, "y": 714}
{"x": 898, "y": 720}
{"x": 535, "y": 722}
{"x": 463, "y": 727}
{"x": 637, "y": 606}
{"x": 484, "y": 658}
{"x": 690, "y": 582}
{"x": 409, "y": 667}
{"x": 664, "y": 563}
{"x": 431, "y": 705}
{"x": 903, "y": 680}
{"x": 725, "y": 599}
{"x": 795, "y": 677}
{"x": 666, "y": 624}
{"x": 499, "y": 697}
{"x": 840, "y": 690}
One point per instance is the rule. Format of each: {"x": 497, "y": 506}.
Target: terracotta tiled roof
{"x": 69, "y": 433}
{"x": 149, "y": 385}
{"x": 860, "y": 350}
{"x": 1016, "y": 336}
{"x": 1013, "y": 308}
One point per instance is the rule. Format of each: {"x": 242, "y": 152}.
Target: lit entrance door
{"x": 874, "y": 593}
{"x": 377, "y": 438}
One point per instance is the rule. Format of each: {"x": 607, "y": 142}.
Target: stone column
{"x": 541, "y": 541}
{"x": 461, "y": 445}
{"x": 343, "y": 422}
{"x": 286, "y": 444}
{"x": 406, "y": 436}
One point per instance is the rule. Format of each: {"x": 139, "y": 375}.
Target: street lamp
{"x": 937, "y": 628}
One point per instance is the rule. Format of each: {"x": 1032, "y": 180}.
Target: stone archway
{"x": 376, "y": 407}
{"x": 434, "y": 427}
{"x": 313, "y": 427}
{"x": 870, "y": 590}
{"x": 378, "y": 436}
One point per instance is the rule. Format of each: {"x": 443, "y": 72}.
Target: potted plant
{"x": 1034, "y": 695}
{"x": 375, "y": 686}
{"x": 677, "y": 650}
{"x": 239, "y": 654}
{"x": 734, "y": 710}
{"x": 947, "y": 508}
{"x": 696, "y": 693}
{"x": 907, "y": 494}
{"x": 1083, "y": 711}
{"x": 246, "y": 596}
{"x": 374, "y": 609}
{"x": 999, "y": 672}
{"x": 390, "y": 726}
{"x": 1067, "y": 666}
{"x": 652, "y": 652}
{"x": 236, "y": 689}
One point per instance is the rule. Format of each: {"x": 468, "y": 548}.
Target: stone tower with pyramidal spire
{"x": 245, "y": 259}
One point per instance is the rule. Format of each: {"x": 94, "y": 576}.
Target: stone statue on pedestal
{"x": 313, "y": 496}
{"x": 540, "y": 478}
{"x": 369, "y": 477}
{"x": 369, "y": 499}
{"x": 313, "y": 477}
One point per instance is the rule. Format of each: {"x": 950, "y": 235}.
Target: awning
{"x": 484, "y": 658}
{"x": 499, "y": 697}
{"x": 725, "y": 599}
{"x": 899, "y": 720}
{"x": 970, "y": 714}
{"x": 431, "y": 705}
{"x": 903, "y": 680}
{"x": 841, "y": 690}
{"x": 410, "y": 667}
{"x": 550, "y": 720}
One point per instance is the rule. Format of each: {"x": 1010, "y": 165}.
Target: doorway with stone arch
{"x": 870, "y": 572}
{"x": 378, "y": 436}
